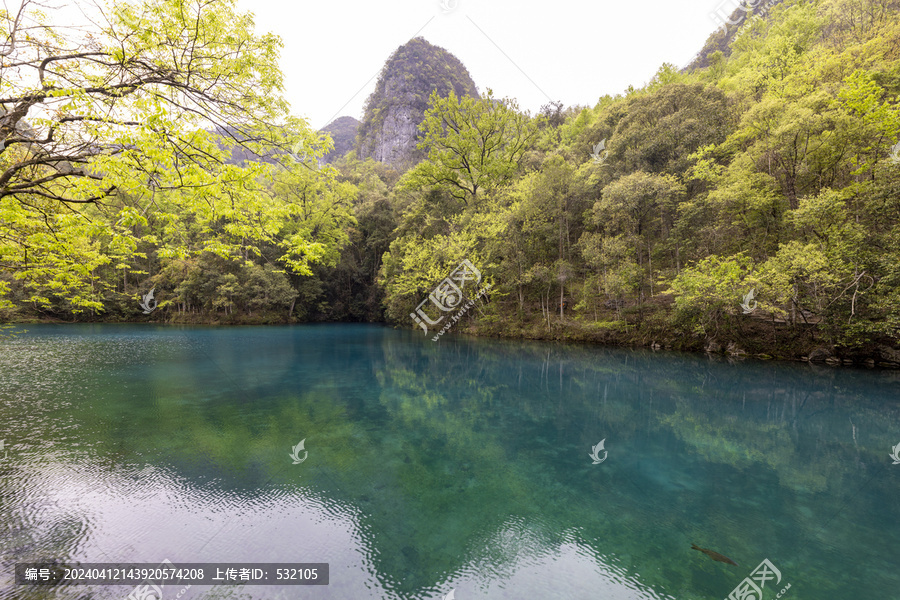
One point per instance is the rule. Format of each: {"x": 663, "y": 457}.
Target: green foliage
{"x": 658, "y": 131}
{"x": 474, "y": 145}
{"x": 110, "y": 174}
{"x": 767, "y": 171}
{"x": 767, "y": 166}
{"x": 710, "y": 290}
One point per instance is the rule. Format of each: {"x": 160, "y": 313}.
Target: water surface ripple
{"x": 459, "y": 465}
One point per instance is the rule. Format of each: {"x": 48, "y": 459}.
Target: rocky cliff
{"x": 389, "y": 129}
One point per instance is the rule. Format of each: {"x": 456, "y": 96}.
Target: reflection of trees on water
{"x": 470, "y": 453}
{"x": 697, "y": 446}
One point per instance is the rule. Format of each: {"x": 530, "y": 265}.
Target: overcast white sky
{"x": 570, "y": 50}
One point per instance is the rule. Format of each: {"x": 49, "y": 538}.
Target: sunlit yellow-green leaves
{"x": 147, "y": 114}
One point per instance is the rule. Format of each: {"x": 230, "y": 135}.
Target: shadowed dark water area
{"x": 462, "y": 464}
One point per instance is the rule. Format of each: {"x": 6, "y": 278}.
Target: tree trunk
{"x": 794, "y": 308}
{"x": 562, "y": 289}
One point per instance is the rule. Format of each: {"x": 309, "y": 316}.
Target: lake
{"x": 462, "y": 466}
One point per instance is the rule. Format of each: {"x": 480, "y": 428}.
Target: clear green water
{"x": 459, "y": 465}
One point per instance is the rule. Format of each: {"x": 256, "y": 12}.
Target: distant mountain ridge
{"x": 389, "y": 129}
{"x": 343, "y": 132}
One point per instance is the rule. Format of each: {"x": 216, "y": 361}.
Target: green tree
{"x": 642, "y": 206}
{"x": 104, "y": 135}
{"x": 708, "y": 292}
{"x": 474, "y": 145}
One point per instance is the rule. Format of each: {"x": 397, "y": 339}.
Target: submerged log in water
{"x": 714, "y": 555}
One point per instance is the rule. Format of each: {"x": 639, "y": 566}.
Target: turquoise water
{"x": 461, "y": 465}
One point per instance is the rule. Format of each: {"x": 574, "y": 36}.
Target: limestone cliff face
{"x": 395, "y": 143}
{"x": 389, "y": 130}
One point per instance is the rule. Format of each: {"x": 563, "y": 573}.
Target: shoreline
{"x": 799, "y": 346}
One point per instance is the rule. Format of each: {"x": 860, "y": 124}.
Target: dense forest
{"x": 749, "y": 204}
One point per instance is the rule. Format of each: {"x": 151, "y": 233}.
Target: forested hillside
{"x": 748, "y": 206}
{"x": 342, "y": 132}
{"x": 771, "y": 172}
